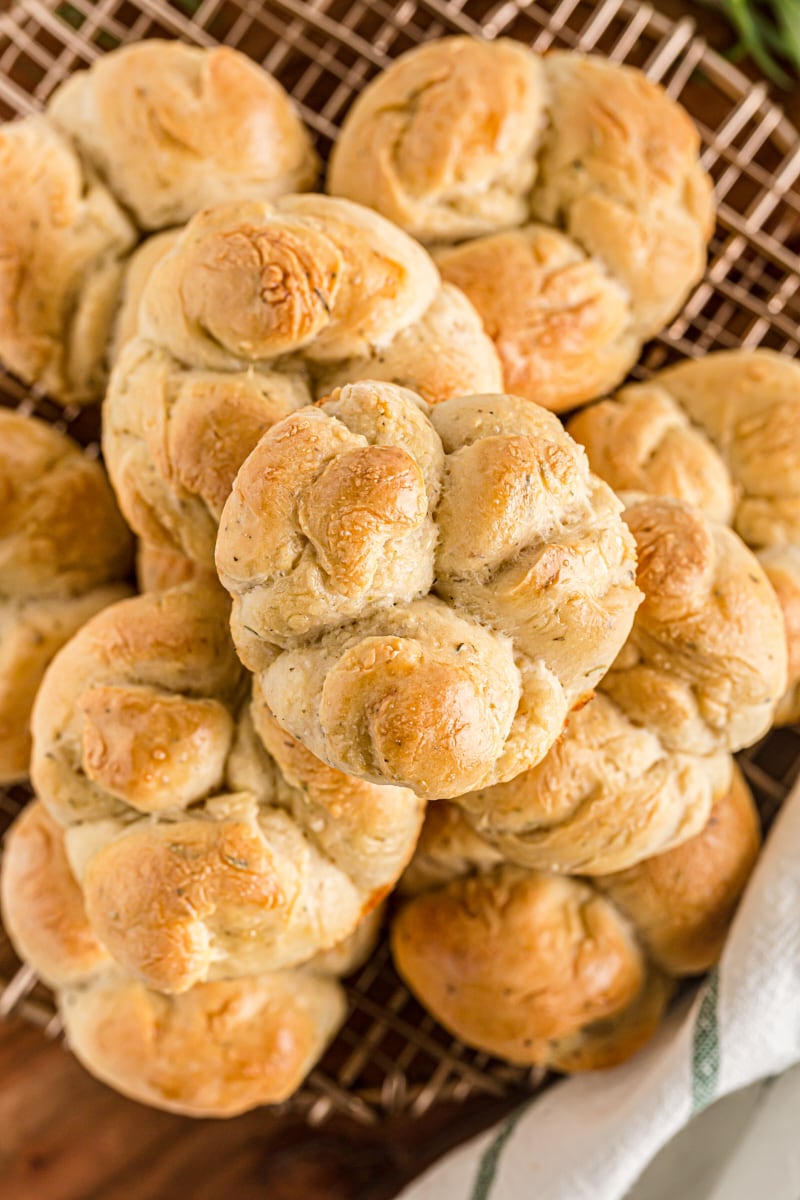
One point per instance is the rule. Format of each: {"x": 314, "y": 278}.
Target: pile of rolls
{"x": 403, "y": 644}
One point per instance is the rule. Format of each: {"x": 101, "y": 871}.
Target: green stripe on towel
{"x": 490, "y": 1159}
{"x": 705, "y": 1047}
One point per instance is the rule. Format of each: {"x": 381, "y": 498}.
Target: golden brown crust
{"x": 513, "y": 961}
{"x": 157, "y": 894}
{"x": 63, "y": 545}
{"x": 561, "y": 325}
{"x": 682, "y": 902}
{"x": 150, "y": 750}
{"x": 216, "y": 1051}
{"x": 175, "y": 128}
{"x": 608, "y": 794}
{"x": 531, "y": 967}
{"x": 94, "y": 710}
{"x": 400, "y": 642}
{"x": 642, "y": 441}
{"x": 462, "y": 139}
{"x": 63, "y": 239}
{"x": 443, "y": 142}
{"x": 141, "y": 738}
{"x": 782, "y": 567}
{"x": 174, "y": 438}
{"x": 219, "y": 1049}
{"x": 705, "y": 664}
{"x": 43, "y": 910}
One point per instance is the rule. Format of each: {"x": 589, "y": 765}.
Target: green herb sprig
{"x": 769, "y": 32}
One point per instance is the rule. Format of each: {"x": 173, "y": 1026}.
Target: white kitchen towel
{"x": 591, "y": 1136}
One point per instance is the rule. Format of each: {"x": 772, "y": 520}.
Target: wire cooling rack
{"x": 391, "y": 1058}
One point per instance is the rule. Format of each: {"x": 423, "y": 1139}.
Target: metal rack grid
{"x": 391, "y": 1057}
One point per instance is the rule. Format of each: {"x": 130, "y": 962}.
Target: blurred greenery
{"x": 768, "y": 31}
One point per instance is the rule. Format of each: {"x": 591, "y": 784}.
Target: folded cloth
{"x": 591, "y": 1136}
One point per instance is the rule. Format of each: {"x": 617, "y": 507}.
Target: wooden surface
{"x": 63, "y": 1136}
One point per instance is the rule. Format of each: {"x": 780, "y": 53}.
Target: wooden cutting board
{"x": 64, "y": 1136}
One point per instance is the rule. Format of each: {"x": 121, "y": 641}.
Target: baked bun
{"x": 64, "y": 239}
{"x": 63, "y": 550}
{"x": 748, "y": 403}
{"x": 462, "y": 139}
{"x": 560, "y": 322}
{"x": 174, "y": 128}
{"x": 217, "y": 1050}
{"x": 682, "y": 902}
{"x": 705, "y": 664}
{"x": 643, "y": 441}
{"x": 158, "y": 569}
{"x": 207, "y": 842}
{"x": 719, "y": 433}
{"x": 174, "y": 438}
{"x": 639, "y": 767}
{"x": 397, "y": 640}
{"x": 561, "y": 972}
{"x": 137, "y": 272}
{"x": 330, "y": 283}
{"x": 607, "y": 795}
{"x": 782, "y": 568}
{"x": 444, "y": 142}
{"x": 522, "y": 965}
{"x": 250, "y": 312}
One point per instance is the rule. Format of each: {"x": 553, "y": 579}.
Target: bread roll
{"x": 64, "y": 551}
{"x": 444, "y": 142}
{"x": 553, "y": 970}
{"x": 642, "y": 441}
{"x": 217, "y": 1050}
{"x": 398, "y": 641}
{"x": 137, "y": 272}
{"x": 682, "y": 901}
{"x": 607, "y": 795}
{"x": 174, "y": 438}
{"x": 705, "y": 665}
{"x": 173, "y": 129}
{"x": 158, "y": 569}
{"x": 64, "y": 239}
{"x": 560, "y": 322}
{"x": 328, "y": 282}
{"x": 522, "y": 965}
{"x": 718, "y": 433}
{"x": 782, "y": 568}
{"x": 249, "y": 313}
{"x": 639, "y": 767}
{"x": 208, "y": 843}
{"x": 249, "y": 282}
{"x": 461, "y": 139}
